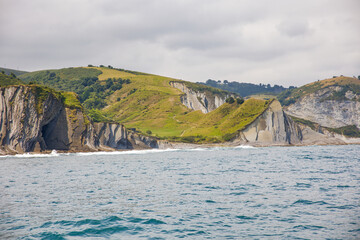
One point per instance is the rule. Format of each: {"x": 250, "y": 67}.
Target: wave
{"x": 244, "y": 146}
{"x": 53, "y": 153}
{"x": 127, "y": 152}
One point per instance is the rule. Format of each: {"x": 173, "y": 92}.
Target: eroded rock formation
{"x": 28, "y": 125}
{"x": 196, "y": 100}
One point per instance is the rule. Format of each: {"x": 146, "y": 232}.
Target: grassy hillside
{"x": 8, "y": 71}
{"x": 348, "y": 83}
{"x": 7, "y": 80}
{"x": 41, "y": 92}
{"x": 149, "y": 104}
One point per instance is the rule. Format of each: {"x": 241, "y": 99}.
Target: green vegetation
{"x": 204, "y": 88}
{"x": 245, "y": 89}
{"x": 149, "y": 104}
{"x": 341, "y": 95}
{"x": 8, "y": 80}
{"x": 290, "y": 96}
{"x": 305, "y": 122}
{"x": 8, "y": 71}
{"x": 42, "y": 93}
{"x": 71, "y": 100}
{"x": 83, "y": 81}
{"x": 97, "y": 116}
{"x": 349, "y": 131}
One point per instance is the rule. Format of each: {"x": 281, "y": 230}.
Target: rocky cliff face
{"x": 272, "y": 127}
{"x": 320, "y": 108}
{"x": 203, "y": 101}
{"x": 28, "y": 123}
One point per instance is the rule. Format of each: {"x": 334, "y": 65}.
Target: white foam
{"x": 244, "y": 146}
{"x": 127, "y": 152}
{"x": 33, "y": 155}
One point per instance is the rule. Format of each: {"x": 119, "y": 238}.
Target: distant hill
{"x": 153, "y": 105}
{"x": 7, "y": 80}
{"x": 7, "y": 71}
{"x": 332, "y": 104}
{"x": 347, "y": 83}
{"x": 246, "y": 89}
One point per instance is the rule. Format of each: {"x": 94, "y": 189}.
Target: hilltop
{"x": 345, "y": 83}
{"x": 151, "y": 105}
{"x": 246, "y": 89}
{"x": 8, "y": 71}
{"x": 330, "y": 106}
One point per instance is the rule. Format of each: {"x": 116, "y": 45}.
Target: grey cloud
{"x": 193, "y": 40}
{"x": 294, "y": 28}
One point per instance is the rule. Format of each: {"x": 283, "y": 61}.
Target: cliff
{"x": 204, "y": 101}
{"x": 323, "y": 108}
{"x": 36, "y": 119}
{"x": 272, "y": 127}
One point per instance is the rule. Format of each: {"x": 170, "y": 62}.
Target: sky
{"x": 284, "y": 42}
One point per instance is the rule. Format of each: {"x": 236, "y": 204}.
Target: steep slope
{"x": 272, "y": 127}
{"x": 8, "y": 71}
{"x": 332, "y": 103}
{"x": 153, "y": 105}
{"x": 7, "y": 80}
{"x": 35, "y": 118}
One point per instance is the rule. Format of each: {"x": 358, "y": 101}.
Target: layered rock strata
{"x": 272, "y": 127}
{"x": 320, "y": 108}
{"x": 196, "y": 100}
{"x": 27, "y": 125}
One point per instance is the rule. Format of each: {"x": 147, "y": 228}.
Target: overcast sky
{"x": 286, "y": 42}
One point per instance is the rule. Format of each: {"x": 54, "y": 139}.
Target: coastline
{"x": 173, "y": 146}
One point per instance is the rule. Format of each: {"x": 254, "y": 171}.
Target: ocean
{"x": 207, "y": 193}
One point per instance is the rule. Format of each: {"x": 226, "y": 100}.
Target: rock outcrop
{"x": 320, "y": 108}
{"x": 272, "y": 127}
{"x": 31, "y": 123}
{"x": 204, "y": 101}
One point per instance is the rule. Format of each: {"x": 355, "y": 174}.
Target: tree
{"x": 230, "y": 100}
{"x": 239, "y": 100}
{"x": 226, "y": 81}
{"x": 90, "y": 65}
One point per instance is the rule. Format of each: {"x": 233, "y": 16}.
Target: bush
{"x": 239, "y": 100}
{"x": 229, "y": 136}
{"x": 148, "y": 132}
{"x": 230, "y": 100}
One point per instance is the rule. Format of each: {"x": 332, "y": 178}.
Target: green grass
{"x": 148, "y": 103}
{"x": 6, "y": 80}
{"x": 290, "y": 96}
{"x": 42, "y": 93}
{"x": 8, "y": 71}
{"x": 204, "y": 88}
{"x": 156, "y": 106}
{"x": 305, "y": 122}
{"x": 71, "y": 100}
{"x": 349, "y": 131}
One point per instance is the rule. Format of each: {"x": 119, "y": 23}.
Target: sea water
{"x": 209, "y": 193}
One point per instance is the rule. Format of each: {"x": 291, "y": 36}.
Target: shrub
{"x": 239, "y": 100}
{"x": 230, "y": 100}
{"x": 148, "y": 132}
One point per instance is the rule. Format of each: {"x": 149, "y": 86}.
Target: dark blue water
{"x": 219, "y": 193}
